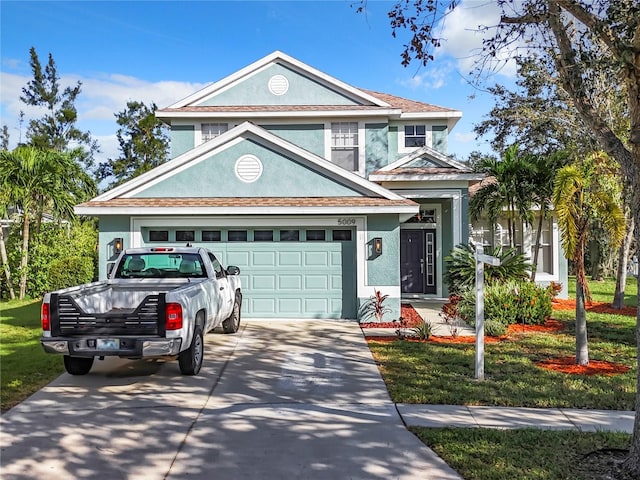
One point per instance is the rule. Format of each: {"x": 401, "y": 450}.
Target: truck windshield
{"x": 161, "y": 265}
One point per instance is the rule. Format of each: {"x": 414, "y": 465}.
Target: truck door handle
{"x": 221, "y": 288}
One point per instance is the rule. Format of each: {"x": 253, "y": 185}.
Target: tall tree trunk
{"x": 25, "y": 254}
{"x": 536, "y": 247}
{"x": 5, "y": 264}
{"x": 623, "y": 262}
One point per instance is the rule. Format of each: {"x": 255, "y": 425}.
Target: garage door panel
{"x": 263, "y": 282}
{"x": 263, "y": 259}
{"x": 290, "y": 306}
{"x": 290, "y": 282}
{"x": 316, "y": 305}
{"x": 316, "y": 282}
{"x": 315, "y": 259}
{"x": 266, "y": 306}
{"x": 238, "y": 259}
{"x": 290, "y": 259}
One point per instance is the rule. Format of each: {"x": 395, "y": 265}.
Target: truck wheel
{"x": 191, "y": 359}
{"x": 231, "y": 324}
{"x": 77, "y": 365}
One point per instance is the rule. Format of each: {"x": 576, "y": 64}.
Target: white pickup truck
{"x": 157, "y": 302}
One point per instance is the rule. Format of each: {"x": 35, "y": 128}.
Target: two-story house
{"x": 321, "y": 192}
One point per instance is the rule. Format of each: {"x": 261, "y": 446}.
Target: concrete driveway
{"x": 279, "y": 400}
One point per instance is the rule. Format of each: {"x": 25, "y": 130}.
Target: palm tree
{"x": 509, "y": 186}
{"x": 36, "y": 181}
{"x": 581, "y": 195}
{"x": 544, "y": 170}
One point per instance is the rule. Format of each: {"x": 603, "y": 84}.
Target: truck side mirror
{"x": 233, "y": 270}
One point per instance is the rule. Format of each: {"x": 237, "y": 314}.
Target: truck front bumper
{"x": 124, "y": 347}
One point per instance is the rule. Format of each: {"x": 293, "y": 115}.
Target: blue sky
{"x": 162, "y": 51}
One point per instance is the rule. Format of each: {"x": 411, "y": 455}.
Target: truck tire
{"x": 231, "y": 324}
{"x": 77, "y": 365}
{"x": 190, "y": 360}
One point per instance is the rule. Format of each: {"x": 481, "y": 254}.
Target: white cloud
{"x": 462, "y": 34}
{"x": 464, "y": 137}
{"x": 102, "y": 96}
{"x": 430, "y": 79}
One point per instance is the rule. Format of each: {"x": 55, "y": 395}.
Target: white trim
{"x": 231, "y": 137}
{"x": 382, "y": 112}
{"x": 282, "y": 58}
{"x": 432, "y": 154}
{"x": 412, "y": 177}
{"x": 246, "y": 211}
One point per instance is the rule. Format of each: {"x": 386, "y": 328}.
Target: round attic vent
{"x": 248, "y": 168}
{"x": 278, "y": 85}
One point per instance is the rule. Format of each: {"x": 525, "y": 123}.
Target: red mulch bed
{"x": 550, "y": 326}
{"x": 407, "y": 312}
{"x": 595, "y": 367}
{"x": 597, "y": 307}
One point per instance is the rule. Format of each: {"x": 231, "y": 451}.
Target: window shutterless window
{"x": 344, "y": 145}
{"x": 212, "y": 130}
{"x": 185, "y": 235}
{"x": 158, "y": 235}
{"x": 341, "y": 235}
{"x": 263, "y": 235}
{"x": 211, "y": 236}
{"x": 316, "y": 235}
{"x": 415, "y": 136}
{"x": 289, "y": 235}
{"x": 237, "y": 235}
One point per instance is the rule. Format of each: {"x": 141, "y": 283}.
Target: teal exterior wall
{"x": 254, "y": 90}
{"x": 215, "y": 177}
{"x": 377, "y": 146}
{"x": 384, "y": 269}
{"x": 109, "y": 228}
{"x": 309, "y": 137}
{"x": 393, "y": 144}
{"x": 182, "y": 139}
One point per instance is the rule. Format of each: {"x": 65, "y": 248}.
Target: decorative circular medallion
{"x": 248, "y": 168}
{"x": 278, "y": 85}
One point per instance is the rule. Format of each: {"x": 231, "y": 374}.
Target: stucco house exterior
{"x": 322, "y": 193}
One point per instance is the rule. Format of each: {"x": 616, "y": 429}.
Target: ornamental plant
{"x": 374, "y": 307}
{"x": 508, "y": 303}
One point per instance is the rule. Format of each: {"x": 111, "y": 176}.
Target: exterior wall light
{"x": 377, "y": 246}
{"x": 117, "y": 246}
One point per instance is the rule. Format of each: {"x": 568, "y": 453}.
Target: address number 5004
{"x": 346, "y": 221}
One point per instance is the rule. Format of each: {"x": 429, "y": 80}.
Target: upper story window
{"x": 212, "y": 130}
{"x": 344, "y": 145}
{"x": 415, "y": 136}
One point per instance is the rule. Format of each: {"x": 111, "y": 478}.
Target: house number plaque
{"x": 346, "y": 221}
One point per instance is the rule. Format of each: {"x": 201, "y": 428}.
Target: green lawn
{"x": 529, "y": 454}
{"x": 24, "y": 367}
{"x": 443, "y": 374}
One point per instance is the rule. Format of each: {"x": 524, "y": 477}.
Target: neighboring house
{"x": 322, "y": 193}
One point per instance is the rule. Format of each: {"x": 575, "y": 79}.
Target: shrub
{"x": 69, "y": 271}
{"x": 506, "y": 304}
{"x": 461, "y": 268}
{"x": 374, "y": 307}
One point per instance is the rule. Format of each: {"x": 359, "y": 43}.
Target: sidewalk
{"x": 441, "y": 416}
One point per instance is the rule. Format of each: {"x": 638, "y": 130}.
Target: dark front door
{"x": 418, "y": 261}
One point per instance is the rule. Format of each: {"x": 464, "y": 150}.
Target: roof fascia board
{"x": 382, "y": 112}
{"x": 338, "y": 210}
{"x": 426, "y": 177}
{"x": 274, "y": 57}
{"x": 431, "y": 152}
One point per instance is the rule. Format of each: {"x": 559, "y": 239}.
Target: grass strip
{"x": 526, "y": 454}
{"x": 24, "y": 366}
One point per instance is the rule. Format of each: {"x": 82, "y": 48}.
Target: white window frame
{"x": 428, "y": 136}
{"x": 202, "y": 134}
{"x": 360, "y": 160}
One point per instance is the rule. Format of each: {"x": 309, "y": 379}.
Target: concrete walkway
{"x": 438, "y": 416}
